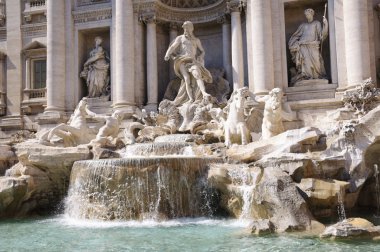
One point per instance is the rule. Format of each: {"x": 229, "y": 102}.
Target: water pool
{"x": 63, "y": 234}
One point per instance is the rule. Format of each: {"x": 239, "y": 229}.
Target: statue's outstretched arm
{"x": 95, "y": 116}
{"x": 287, "y": 113}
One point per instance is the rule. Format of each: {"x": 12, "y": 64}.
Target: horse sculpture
{"x": 235, "y": 127}
{"x": 75, "y": 132}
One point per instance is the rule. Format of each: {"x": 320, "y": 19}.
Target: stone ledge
{"x": 316, "y": 103}
{"x": 311, "y": 92}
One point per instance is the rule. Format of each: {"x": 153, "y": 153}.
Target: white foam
{"x": 98, "y": 224}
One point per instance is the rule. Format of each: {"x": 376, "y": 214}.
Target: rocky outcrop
{"x": 306, "y": 165}
{"x": 261, "y": 227}
{"x": 40, "y": 180}
{"x": 255, "y": 193}
{"x": 351, "y": 228}
{"x": 326, "y": 197}
{"x": 291, "y": 141}
{"x": 7, "y": 158}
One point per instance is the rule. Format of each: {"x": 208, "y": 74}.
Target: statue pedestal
{"x": 100, "y": 105}
{"x": 312, "y": 82}
{"x": 311, "y": 89}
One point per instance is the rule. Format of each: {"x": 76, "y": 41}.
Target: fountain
{"x": 140, "y": 188}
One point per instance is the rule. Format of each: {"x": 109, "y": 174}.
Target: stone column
{"x": 234, "y": 8}
{"x": 356, "y": 41}
{"x": 13, "y": 45}
{"x": 139, "y": 62}
{"x": 56, "y": 55}
{"x": 124, "y": 95}
{"x": 151, "y": 57}
{"x": 28, "y": 83}
{"x": 173, "y": 34}
{"x": 227, "y": 58}
{"x": 262, "y": 46}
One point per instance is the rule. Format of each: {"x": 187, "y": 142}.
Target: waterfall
{"x": 341, "y": 211}
{"x": 244, "y": 180}
{"x": 377, "y": 190}
{"x": 139, "y": 188}
{"x": 159, "y": 149}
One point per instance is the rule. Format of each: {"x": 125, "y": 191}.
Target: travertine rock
{"x": 351, "y": 228}
{"x": 322, "y": 196}
{"x": 358, "y": 145}
{"x": 306, "y": 165}
{"x": 256, "y": 193}
{"x": 40, "y": 180}
{"x": 291, "y": 141}
{"x": 261, "y": 227}
{"x": 12, "y": 191}
{"x": 7, "y": 158}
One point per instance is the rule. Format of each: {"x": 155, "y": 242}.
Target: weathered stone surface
{"x": 351, "y": 228}
{"x": 359, "y": 145}
{"x": 40, "y": 179}
{"x": 261, "y": 227}
{"x": 12, "y": 191}
{"x": 322, "y": 196}
{"x": 292, "y": 141}
{"x": 101, "y": 153}
{"x": 254, "y": 193}
{"x": 305, "y": 165}
{"x": 7, "y": 158}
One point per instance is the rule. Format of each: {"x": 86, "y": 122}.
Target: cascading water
{"x": 139, "y": 188}
{"x": 245, "y": 181}
{"x": 341, "y": 211}
{"x": 159, "y": 149}
{"x": 376, "y": 174}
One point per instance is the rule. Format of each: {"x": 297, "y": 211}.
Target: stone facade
{"x": 44, "y": 44}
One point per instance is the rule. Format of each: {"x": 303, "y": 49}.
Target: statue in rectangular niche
{"x": 96, "y": 71}
{"x": 305, "y": 46}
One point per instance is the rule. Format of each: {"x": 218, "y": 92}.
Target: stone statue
{"x": 188, "y": 55}
{"x": 109, "y": 131}
{"x": 96, "y": 71}
{"x": 75, "y": 131}
{"x": 305, "y": 47}
{"x": 274, "y": 114}
{"x": 235, "y": 127}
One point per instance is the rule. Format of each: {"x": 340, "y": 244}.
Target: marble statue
{"x": 75, "y": 131}
{"x": 305, "y": 46}
{"x": 109, "y": 131}
{"x": 274, "y": 114}
{"x": 96, "y": 71}
{"x": 235, "y": 127}
{"x": 188, "y": 54}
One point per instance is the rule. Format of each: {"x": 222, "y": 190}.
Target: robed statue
{"x": 96, "y": 71}
{"x": 305, "y": 46}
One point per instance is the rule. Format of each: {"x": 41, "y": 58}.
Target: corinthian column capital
{"x": 235, "y": 6}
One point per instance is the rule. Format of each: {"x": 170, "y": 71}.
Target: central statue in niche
{"x": 305, "y": 46}
{"x": 188, "y": 54}
{"x": 96, "y": 71}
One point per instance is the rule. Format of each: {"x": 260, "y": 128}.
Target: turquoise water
{"x": 63, "y": 234}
